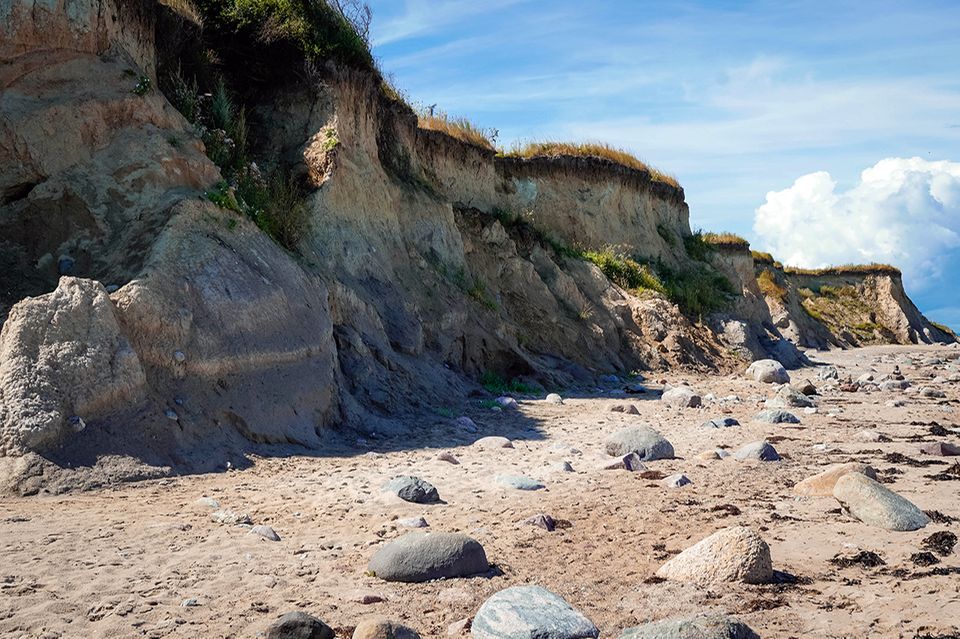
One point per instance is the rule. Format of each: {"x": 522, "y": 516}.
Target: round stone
{"x": 419, "y": 556}
{"x": 642, "y": 440}
{"x": 526, "y": 612}
{"x": 412, "y": 489}
{"x": 735, "y": 554}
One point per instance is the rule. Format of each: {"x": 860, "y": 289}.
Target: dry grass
{"x": 728, "y": 240}
{"x": 460, "y": 128}
{"x": 762, "y": 258}
{"x": 846, "y": 269}
{"x": 769, "y": 286}
{"x": 185, "y": 9}
{"x": 591, "y": 149}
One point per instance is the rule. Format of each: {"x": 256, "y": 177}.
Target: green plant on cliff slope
{"x": 624, "y": 271}
{"x": 767, "y": 282}
{"x": 697, "y": 288}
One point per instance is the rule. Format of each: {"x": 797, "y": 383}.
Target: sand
{"x": 120, "y": 562}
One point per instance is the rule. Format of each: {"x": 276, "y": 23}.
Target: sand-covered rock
{"x": 525, "y": 612}
{"x": 383, "y": 629}
{"x": 732, "y": 554}
{"x": 419, "y": 556}
{"x": 822, "y": 484}
{"x": 876, "y": 505}
{"x": 299, "y": 625}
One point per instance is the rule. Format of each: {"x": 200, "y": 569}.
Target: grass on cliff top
{"x": 590, "y": 149}
{"x": 760, "y": 257}
{"x": 729, "y": 240}
{"x": 321, "y": 29}
{"x": 456, "y": 127}
{"x": 846, "y": 269}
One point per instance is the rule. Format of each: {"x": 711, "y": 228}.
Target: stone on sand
{"x": 507, "y": 402}
{"x": 630, "y": 461}
{"x": 466, "y": 424}
{"x": 265, "y": 531}
{"x": 875, "y": 505}
{"x": 553, "y": 398}
{"x": 628, "y": 409}
{"x": 519, "y": 482}
{"x": 681, "y": 397}
{"x": 383, "y": 629}
{"x": 642, "y": 440}
{"x": 230, "y": 518}
{"x": 775, "y": 416}
{"x": 413, "y": 522}
{"x": 419, "y": 556}
{"x": 542, "y": 520}
{"x": 299, "y": 625}
{"x": 735, "y": 554}
{"x": 759, "y": 451}
{"x": 526, "y": 612}
{"x": 940, "y": 449}
{"x": 208, "y": 502}
{"x": 412, "y": 489}
{"x": 720, "y": 422}
{"x": 768, "y": 371}
{"x": 677, "y": 481}
{"x": 786, "y": 397}
{"x": 711, "y": 626}
{"x": 822, "y": 484}
{"x": 493, "y": 442}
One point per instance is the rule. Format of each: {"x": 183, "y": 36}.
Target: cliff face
{"x": 151, "y": 331}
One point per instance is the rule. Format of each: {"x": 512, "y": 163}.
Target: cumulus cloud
{"x": 903, "y": 211}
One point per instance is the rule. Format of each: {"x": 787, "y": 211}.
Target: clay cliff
{"x": 152, "y": 326}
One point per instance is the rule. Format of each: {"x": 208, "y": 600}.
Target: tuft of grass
{"x": 846, "y": 269}
{"x": 495, "y": 383}
{"x": 624, "y": 271}
{"x": 767, "y": 281}
{"x": 185, "y": 9}
{"x": 456, "y": 127}
{"x": 698, "y": 247}
{"x": 946, "y": 329}
{"x": 599, "y": 150}
{"x": 760, "y": 257}
{"x": 726, "y": 240}
{"x": 698, "y": 289}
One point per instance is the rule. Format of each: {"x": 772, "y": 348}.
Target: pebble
{"x": 208, "y": 502}
{"x": 383, "y": 629}
{"x": 230, "y": 518}
{"x": 630, "y": 461}
{"x": 720, "y": 422}
{"x": 774, "y": 416}
{"x": 448, "y": 457}
{"x": 563, "y": 466}
{"x": 413, "y": 522}
{"x": 940, "y": 449}
{"x": 492, "y": 442}
{"x": 507, "y": 402}
{"x": 530, "y": 612}
{"x": 541, "y": 520}
{"x": 628, "y": 409}
{"x": 553, "y": 398}
{"x": 465, "y": 423}
{"x": 189, "y": 603}
{"x": 460, "y": 627}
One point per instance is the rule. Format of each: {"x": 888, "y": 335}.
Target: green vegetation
{"x": 143, "y": 86}
{"x": 726, "y": 240}
{"x": 599, "y": 150}
{"x": 698, "y": 289}
{"x": 460, "y": 128}
{"x": 846, "y": 269}
{"x": 668, "y": 236}
{"x": 760, "y": 257}
{"x": 767, "y": 281}
{"x": 319, "y": 29}
{"x": 624, "y": 271}
{"x": 495, "y": 383}
{"x": 698, "y": 247}
{"x": 274, "y": 201}
{"x": 946, "y": 329}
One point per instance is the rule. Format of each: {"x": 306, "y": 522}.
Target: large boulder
{"x": 733, "y": 554}
{"x": 419, "y": 556}
{"x": 776, "y": 416}
{"x": 696, "y": 627}
{"x": 528, "y": 612}
{"x": 757, "y": 451}
{"x": 822, "y": 484}
{"x": 874, "y": 504}
{"x": 681, "y": 397}
{"x": 63, "y": 361}
{"x": 642, "y": 440}
{"x": 768, "y": 371}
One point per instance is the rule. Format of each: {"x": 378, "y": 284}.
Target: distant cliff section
{"x": 216, "y": 240}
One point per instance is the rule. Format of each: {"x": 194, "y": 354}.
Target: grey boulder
{"x": 773, "y": 416}
{"x": 681, "y": 397}
{"x": 642, "y": 440}
{"x": 874, "y": 504}
{"x": 419, "y": 556}
{"x": 299, "y": 625}
{"x": 530, "y": 612}
{"x": 759, "y": 451}
{"x": 696, "y": 627}
{"x": 412, "y": 489}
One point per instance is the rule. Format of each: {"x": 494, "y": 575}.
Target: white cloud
{"x": 903, "y": 211}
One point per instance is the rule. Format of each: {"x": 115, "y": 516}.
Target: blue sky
{"x": 737, "y": 99}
